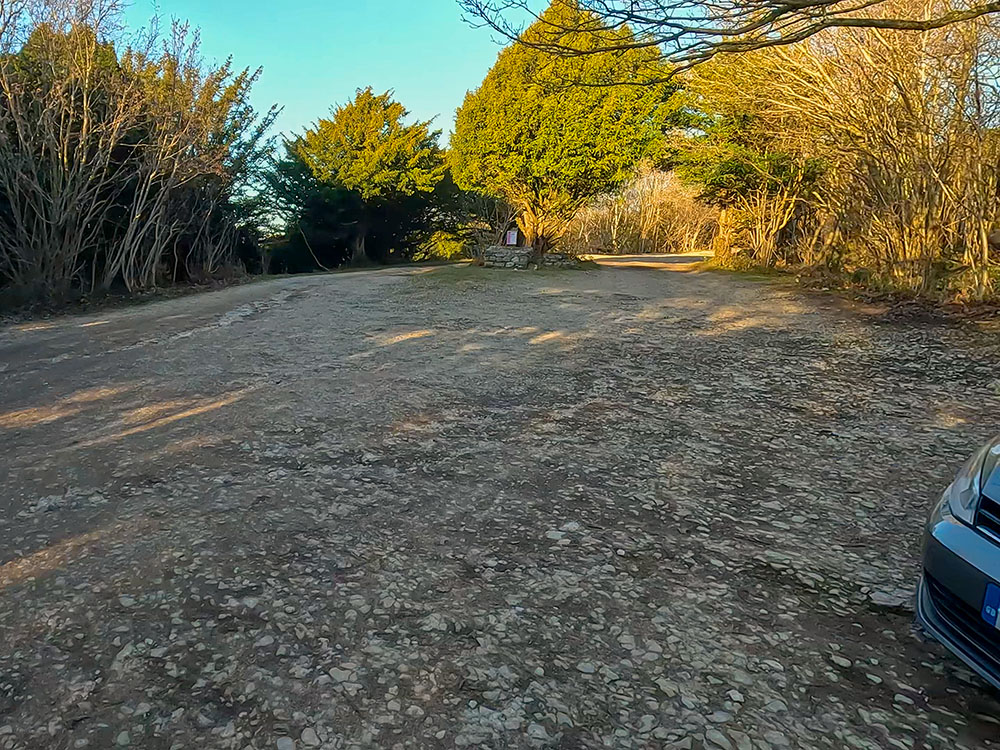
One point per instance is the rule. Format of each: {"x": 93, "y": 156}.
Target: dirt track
{"x": 621, "y": 508}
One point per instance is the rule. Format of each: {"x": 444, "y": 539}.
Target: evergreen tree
{"x": 392, "y": 167}
{"x": 544, "y": 133}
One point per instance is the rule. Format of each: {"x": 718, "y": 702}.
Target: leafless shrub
{"x": 114, "y": 167}
{"x": 654, "y": 213}
{"x": 482, "y": 221}
{"x": 905, "y": 126}
{"x": 908, "y": 125}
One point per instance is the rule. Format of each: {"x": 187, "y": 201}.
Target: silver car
{"x": 958, "y": 602}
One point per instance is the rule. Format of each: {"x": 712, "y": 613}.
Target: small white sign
{"x": 511, "y": 239}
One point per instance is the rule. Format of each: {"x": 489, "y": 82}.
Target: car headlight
{"x": 990, "y": 465}
{"x": 962, "y": 495}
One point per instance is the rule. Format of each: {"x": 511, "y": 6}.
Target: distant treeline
{"x": 860, "y": 155}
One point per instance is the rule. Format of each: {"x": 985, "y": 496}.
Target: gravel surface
{"x": 623, "y": 508}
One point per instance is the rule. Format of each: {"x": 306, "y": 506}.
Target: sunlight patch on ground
{"x": 417, "y": 423}
{"x": 96, "y": 394}
{"x": 36, "y": 416}
{"x": 54, "y": 557}
{"x": 728, "y": 320}
{"x": 690, "y": 261}
{"x": 551, "y": 336}
{"x": 737, "y": 325}
{"x": 193, "y": 411}
{"x": 400, "y": 338}
{"x": 523, "y": 331}
{"x": 67, "y": 407}
{"x": 153, "y": 411}
{"x": 948, "y": 420}
{"x": 188, "y": 445}
{"x": 191, "y": 444}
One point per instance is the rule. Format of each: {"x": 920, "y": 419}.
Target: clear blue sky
{"x": 315, "y": 53}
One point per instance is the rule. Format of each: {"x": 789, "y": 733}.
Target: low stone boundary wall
{"x": 559, "y": 260}
{"x": 507, "y": 257}
{"x": 524, "y": 257}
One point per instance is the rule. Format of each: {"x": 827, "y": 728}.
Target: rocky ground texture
{"x": 459, "y": 507}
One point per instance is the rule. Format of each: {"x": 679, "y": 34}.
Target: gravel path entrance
{"x": 626, "y": 508}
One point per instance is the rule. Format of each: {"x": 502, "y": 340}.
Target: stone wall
{"x": 559, "y": 260}
{"x": 524, "y": 257}
{"x": 507, "y": 257}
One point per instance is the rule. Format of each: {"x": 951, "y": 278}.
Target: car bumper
{"x": 958, "y": 564}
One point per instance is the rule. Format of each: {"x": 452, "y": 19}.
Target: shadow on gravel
{"x": 596, "y": 509}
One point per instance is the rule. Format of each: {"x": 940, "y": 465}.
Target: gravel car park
{"x": 454, "y": 507}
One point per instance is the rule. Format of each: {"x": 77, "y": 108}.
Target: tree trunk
{"x": 533, "y": 227}
{"x": 542, "y": 244}
{"x": 359, "y": 257}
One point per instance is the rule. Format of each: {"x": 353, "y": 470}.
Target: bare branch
{"x": 689, "y": 32}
